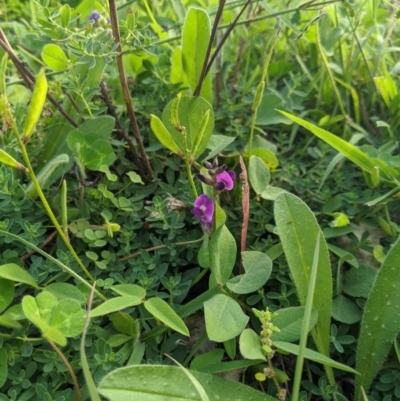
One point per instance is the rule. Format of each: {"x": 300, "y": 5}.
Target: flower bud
{"x": 205, "y": 179}
{"x": 221, "y": 169}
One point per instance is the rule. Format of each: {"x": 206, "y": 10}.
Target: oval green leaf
{"x": 258, "y": 267}
{"x": 162, "y": 134}
{"x": 13, "y": 272}
{"x": 224, "y": 318}
{"x": 115, "y": 305}
{"x": 165, "y": 314}
{"x": 54, "y": 57}
{"x": 250, "y": 345}
{"x": 6, "y": 293}
{"x": 259, "y": 174}
{"x": 290, "y": 323}
{"x": 222, "y": 254}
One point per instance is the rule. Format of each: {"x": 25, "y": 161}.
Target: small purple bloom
{"x": 204, "y": 211}
{"x": 226, "y": 179}
{"x": 94, "y": 16}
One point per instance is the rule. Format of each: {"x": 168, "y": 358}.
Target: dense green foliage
{"x": 171, "y": 210}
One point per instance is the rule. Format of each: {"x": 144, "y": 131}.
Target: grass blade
{"x": 351, "y": 152}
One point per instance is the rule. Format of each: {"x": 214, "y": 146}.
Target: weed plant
{"x": 195, "y": 192}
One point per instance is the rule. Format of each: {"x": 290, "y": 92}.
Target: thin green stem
{"x": 44, "y": 200}
{"x": 187, "y": 164}
{"x": 156, "y": 248}
{"x": 55, "y": 261}
{"x": 306, "y": 323}
{"x": 328, "y": 70}
{"x": 260, "y": 91}
{"x": 29, "y": 339}
{"x": 69, "y": 367}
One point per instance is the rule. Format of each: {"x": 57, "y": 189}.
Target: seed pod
{"x": 367, "y": 178}
{"x": 375, "y": 179}
{"x": 7, "y": 159}
{"x": 259, "y": 95}
{"x": 175, "y": 112}
{"x": 387, "y": 227}
{"x": 36, "y": 105}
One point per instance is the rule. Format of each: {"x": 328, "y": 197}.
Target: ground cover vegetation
{"x": 199, "y": 200}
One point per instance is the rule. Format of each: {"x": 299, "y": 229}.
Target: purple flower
{"x": 225, "y": 180}
{"x": 204, "y": 211}
{"x": 94, "y": 16}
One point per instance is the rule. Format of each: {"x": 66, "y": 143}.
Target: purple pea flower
{"x": 204, "y": 211}
{"x": 225, "y": 180}
{"x": 94, "y": 16}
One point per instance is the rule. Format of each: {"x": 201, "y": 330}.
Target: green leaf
{"x": 68, "y": 317}
{"x": 45, "y": 174}
{"x": 129, "y": 289}
{"x": 266, "y": 155}
{"x": 114, "y": 305}
{"x": 3, "y": 366}
{"x": 313, "y": 356}
{"x": 298, "y": 231}
{"x": 216, "y": 144}
{"x": 66, "y": 291}
{"x": 358, "y": 282}
{"x": 222, "y": 254}
{"x": 177, "y": 75}
{"x": 259, "y": 174}
{"x": 13, "y": 272}
{"x": 351, "y": 152}
{"x": 169, "y": 383}
{"x": 165, "y": 314}
{"x": 224, "y": 318}
{"x": 250, "y": 345}
{"x": 91, "y": 151}
{"x": 258, "y": 267}
{"x": 6, "y": 293}
{"x": 271, "y": 193}
{"x": 38, "y": 311}
{"x": 201, "y": 362}
{"x": 54, "y": 57}
{"x": 162, "y": 134}
{"x": 7, "y": 321}
{"x": 380, "y": 324}
{"x": 344, "y": 310}
{"x": 54, "y": 142}
{"x": 125, "y": 324}
{"x": 290, "y": 322}
{"x": 10, "y": 161}
{"x": 195, "y": 37}
{"x": 267, "y": 113}
{"x": 191, "y": 112}
{"x": 135, "y": 177}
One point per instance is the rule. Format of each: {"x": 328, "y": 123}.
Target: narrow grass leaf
{"x": 351, "y": 152}
{"x": 313, "y": 356}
